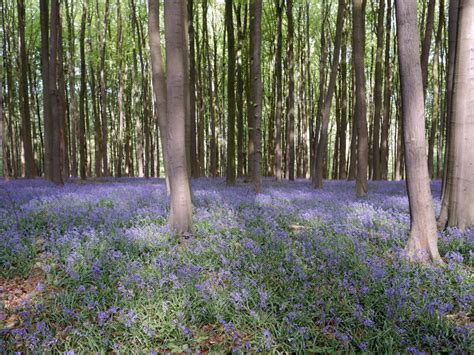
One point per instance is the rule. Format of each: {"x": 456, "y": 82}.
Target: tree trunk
{"x": 159, "y": 79}
{"x": 255, "y": 94}
{"x": 30, "y": 168}
{"x": 323, "y": 140}
{"x": 82, "y": 97}
{"x": 378, "y": 81}
{"x": 425, "y": 51}
{"x": 176, "y": 53}
{"x": 44, "y": 24}
{"x": 461, "y": 155}
{"x": 279, "y": 90}
{"x": 229, "y": 22}
{"x": 291, "y": 94}
{"x": 387, "y": 93}
{"x": 422, "y": 242}
{"x": 240, "y": 91}
{"x": 360, "y": 104}
{"x": 343, "y": 89}
{"x": 192, "y": 92}
{"x": 452, "y": 42}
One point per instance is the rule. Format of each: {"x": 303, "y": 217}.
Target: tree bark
{"x": 452, "y": 40}
{"x": 461, "y": 155}
{"x": 158, "y": 78}
{"x": 422, "y": 242}
{"x": 323, "y": 140}
{"x": 279, "y": 90}
{"x": 229, "y": 22}
{"x": 30, "y": 167}
{"x": 291, "y": 94}
{"x": 255, "y": 94}
{"x": 192, "y": 92}
{"x": 378, "y": 82}
{"x": 360, "y": 104}
{"x": 176, "y": 53}
{"x": 425, "y": 51}
{"x": 82, "y": 97}
{"x": 387, "y": 97}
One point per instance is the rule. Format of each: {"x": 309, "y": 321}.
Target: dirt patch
{"x": 15, "y": 292}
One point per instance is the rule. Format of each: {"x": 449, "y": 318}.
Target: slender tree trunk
{"x": 240, "y": 92}
{"x": 229, "y": 22}
{"x": 360, "y": 104}
{"x": 291, "y": 93}
{"x": 323, "y": 140}
{"x": 159, "y": 79}
{"x": 279, "y": 89}
{"x": 82, "y": 97}
{"x": 30, "y": 167}
{"x": 176, "y": 53}
{"x": 44, "y": 24}
{"x": 436, "y": 107}
{"x": 56, "y": 87}
{"x": 425, "y": 51}
{"x": 422, "y": 243}
{"x": 343, "y": 89}
{"x": 255, "y": 95}
{"x": 192, "y": 92}
{"x": 387, "y": 93}
{"x": 378, "y": 82}
{"x": 452, "y": 42}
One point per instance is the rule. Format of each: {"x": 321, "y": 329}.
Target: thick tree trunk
{"x": 229, "y": 22}
{"x": 176, "y": 53}
{"x": 321, "y": 152}
{"x": 422, "y": 242}
{"x": 30, "y": 167}
{"x": 461, "y": 153}
{"x": 360, "y": 104}
{"x": 255, "y": 94}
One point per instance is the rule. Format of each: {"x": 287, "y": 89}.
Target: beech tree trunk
{"x": 229, "y": 23}
{"x": 291, "y": 94}
{"x": 422, "y": 242}
{"x": 30, "y": 167}
{"x": 387, "y": 97}
{"x": 321, "y": 152}
{"x": 279, "y": 90}
{"x": 255, "y": 94}
{"x": 176, "y": 53}
{"x": 82, "y": 98}
{"x": 460, "y": 182}
{"x": 192, "y": 93}
{"x": 425, "y": 51}
{"x": 360, "y": 103}
{"x": 452, "y": 39}
{"x": 378, "y": 82}
{"x": 158, "y": 78}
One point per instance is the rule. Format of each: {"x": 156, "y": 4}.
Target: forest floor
{"x": 92, "y": 267}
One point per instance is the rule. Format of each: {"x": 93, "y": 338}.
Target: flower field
{"x": 92, "y": 267}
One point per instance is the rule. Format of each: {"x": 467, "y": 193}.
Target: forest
{"x": 216, "y": 176}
